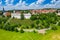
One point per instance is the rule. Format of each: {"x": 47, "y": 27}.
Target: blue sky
{"x": 29, "y": 4}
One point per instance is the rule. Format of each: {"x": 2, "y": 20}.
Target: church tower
{"x": 3, "y": 10}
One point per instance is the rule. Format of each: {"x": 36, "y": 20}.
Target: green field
{"x": 8, "y": 35}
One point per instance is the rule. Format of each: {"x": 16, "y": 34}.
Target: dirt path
{"x": 42, "y": 31}
{"x": 7, "y": 22}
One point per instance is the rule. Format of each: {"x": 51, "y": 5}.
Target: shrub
{"x": 37, "y": 27}
{"x": 54, "y": 28}
{"x": 22, "y": 16}
{"x": 16, "y": 30}
{"x": 32, "y": 25}
{"x": 37, "y": 22}
{"x": 27, "y": 27}
{"x": 22, "y": 31}
{"x": 33, "y": 17}
{"x": 1, "y": 26}
{"x": 34, "y": 31}
{"x": 59, "y": 24}
{"x": 42, "y": 26}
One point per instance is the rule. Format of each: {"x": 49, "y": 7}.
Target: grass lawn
{"x": 8, "y": 35}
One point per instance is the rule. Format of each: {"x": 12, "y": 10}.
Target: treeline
{"x": 46, "y": 20}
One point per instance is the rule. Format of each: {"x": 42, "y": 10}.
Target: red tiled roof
{"x": 42, "y": 11}
{"x": 7, "y": 14}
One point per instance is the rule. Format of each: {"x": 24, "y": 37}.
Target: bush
{"x": 1, "y": 26}
{"x": 33, "y": 17}
{"x": 22, "y": 31}
{"x": 41, "y": 26}
{"x": 59, "y": 24}
{"x": 54, "y": 28}
{"x": 34, "y": 31}
{"x": 32, "y": 25}
{"x": 10, "y": 27}
{"x": 37, "y": 27}
{"x": 22, "y": 16}
{"x": 37, "y": 22}
{"x": 27, "y": 27}
{"x": 16, "y": 30}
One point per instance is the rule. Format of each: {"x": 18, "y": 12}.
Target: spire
{"x": 3, "y": 10}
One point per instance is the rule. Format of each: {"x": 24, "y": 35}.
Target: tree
{"x": 37, "y": 22}
{"x": 32, "y": 25}
{"x": 33, "y": 17}
{"x": 22, "y": 16}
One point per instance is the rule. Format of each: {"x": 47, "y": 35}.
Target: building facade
{"x": 18, "y": 15}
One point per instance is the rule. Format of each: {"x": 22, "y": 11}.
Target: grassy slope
{"x": 7, "y": 35}
{"x": 23, "y": 22}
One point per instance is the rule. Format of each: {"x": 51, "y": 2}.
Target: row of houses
{"x": 43, "y": 11}
{"x": 16, "y": 14}
{"x": 27, "y": 15}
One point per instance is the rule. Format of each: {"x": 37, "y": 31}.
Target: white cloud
{"x": 57, "y": 4}
{"x": 53, "y": 1}
{"x": 0, "y": 3}
{"x": 21, "y": 5}
{"x": 34, "y": 5}
{"x": 49, "y": 6}
{"x": 53, "y": 5}
{"x": 7, "y": 1}
{"x": 0, "y": 7}
{"x": 12, "y": 1}
{"x": 9, "y": 7}
{"x": 39, "y": 1}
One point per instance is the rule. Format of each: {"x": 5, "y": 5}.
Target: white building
{"x": 58, "y": 12}
{"x": 15, "y": 15}
{"x": 27, "y": 16}
{"x": 18, "y": 15}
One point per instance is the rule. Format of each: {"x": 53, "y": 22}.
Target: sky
{"x": 28, "y": 4}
